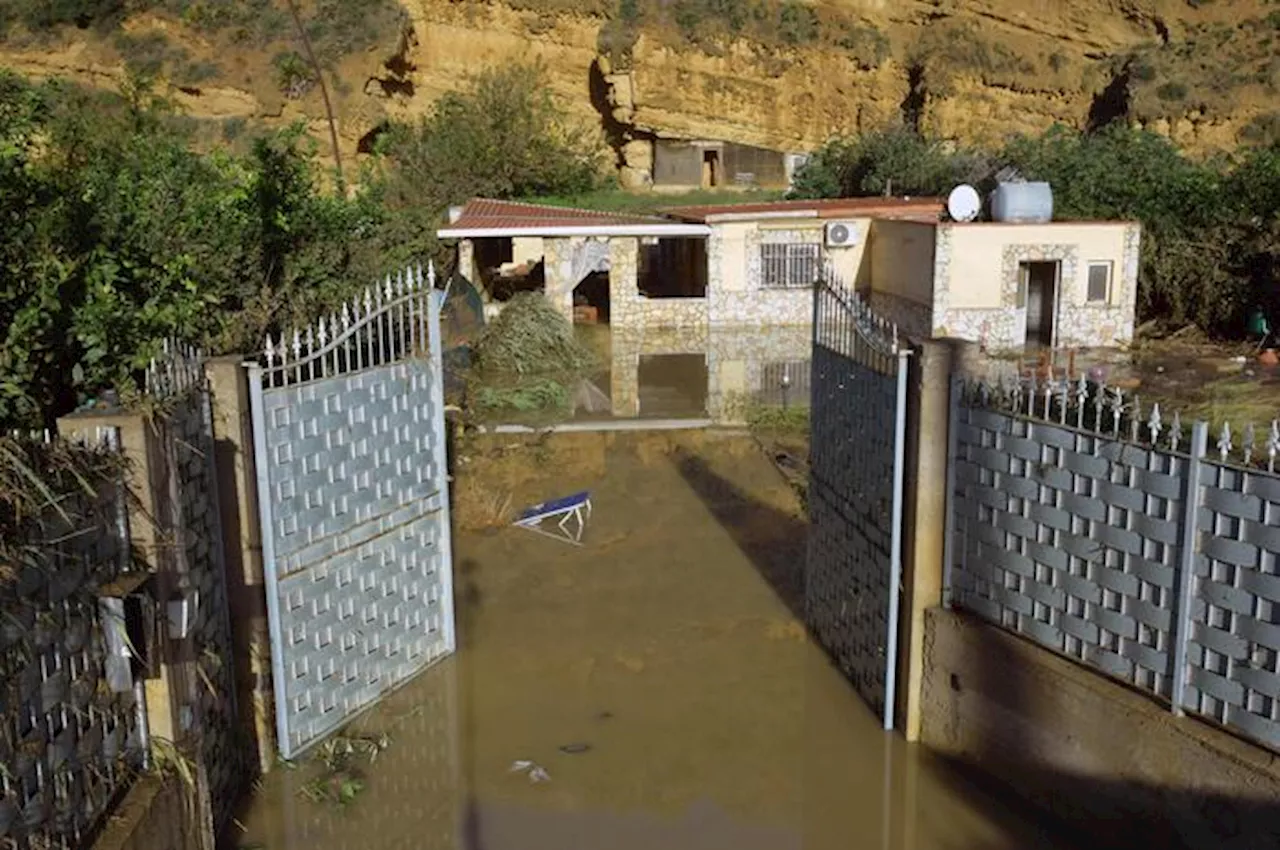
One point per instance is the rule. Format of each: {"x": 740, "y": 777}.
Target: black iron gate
{"x": 857, "y": 439}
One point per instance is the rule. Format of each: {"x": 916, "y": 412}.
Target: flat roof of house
{"x": 482, "y": 218}
{"x": 913, "y": 209}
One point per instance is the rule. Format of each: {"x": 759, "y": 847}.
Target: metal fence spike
{"x": 1224, "y": 441}
{"x": 1273, "y": 444}
{"x": 1248, "y": 443}
{"x": 1175, "y": 433}
{"x": 1154, "y": 424}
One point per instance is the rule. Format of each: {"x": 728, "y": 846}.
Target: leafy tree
{"x": 896, "y": 160}
{"x": 502, "y": 137}
{"x": 116, "y": 235}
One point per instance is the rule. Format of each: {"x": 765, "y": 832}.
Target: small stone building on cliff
{"x": 1062, "y": 284}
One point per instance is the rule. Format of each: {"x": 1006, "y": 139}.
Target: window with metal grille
{"x": 788, "y": 266}
{"x": 1099, "y": 282}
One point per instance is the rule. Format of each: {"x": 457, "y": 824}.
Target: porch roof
{"x": 482, "y": 217}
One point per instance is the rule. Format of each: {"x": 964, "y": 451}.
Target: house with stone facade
{"x": 1060, "y": 283}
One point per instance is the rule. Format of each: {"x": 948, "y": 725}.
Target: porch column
{"x": 558, "y": 271}
{"x": 624, "y": 296}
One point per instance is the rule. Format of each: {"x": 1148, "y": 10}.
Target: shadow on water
{"x": 773, "y": 539}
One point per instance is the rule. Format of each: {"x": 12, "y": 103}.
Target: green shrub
{"x": 294, "y": 74}
{"x": 797, "y": 23}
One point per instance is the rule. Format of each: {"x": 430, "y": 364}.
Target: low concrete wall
{"x": 154, "y": 815}
{"x": 1089, "y": 751}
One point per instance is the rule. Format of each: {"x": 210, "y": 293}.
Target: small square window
{"x": 1099, "y": 282}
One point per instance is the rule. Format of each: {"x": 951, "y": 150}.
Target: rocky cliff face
{"x": 973, "y": 70}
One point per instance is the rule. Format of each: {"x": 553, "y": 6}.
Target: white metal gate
{"x": 349, "y": 441}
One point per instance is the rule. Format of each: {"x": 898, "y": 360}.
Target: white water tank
{"x": 1022, "y": 202}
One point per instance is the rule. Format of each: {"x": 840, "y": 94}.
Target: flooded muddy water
{"x": 658, "y": 674}
{"x": 693, "y": 373}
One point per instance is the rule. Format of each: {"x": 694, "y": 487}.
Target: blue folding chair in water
{"x": 571, "y": 511}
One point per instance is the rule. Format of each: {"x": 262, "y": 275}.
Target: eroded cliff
{"x": 973, "y": 70}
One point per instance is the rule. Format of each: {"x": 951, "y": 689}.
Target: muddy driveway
{"x": 655, "y": 685}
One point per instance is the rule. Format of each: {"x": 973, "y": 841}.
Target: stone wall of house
{"x": 999, "y": 328}
{"x": 629, "y": 309}
{"x": 741, "y": 299}
{"x": 1084, "y": 325}
{"x": 1079, "y": 324}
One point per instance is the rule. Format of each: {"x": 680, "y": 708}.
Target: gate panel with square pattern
{"x": 349, "y": 440}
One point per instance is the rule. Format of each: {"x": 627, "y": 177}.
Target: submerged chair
{"x": 572, "y": 512}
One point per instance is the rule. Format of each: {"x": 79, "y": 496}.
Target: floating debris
{"x": 536, "y": 772}
{"x": 575, "y": 748}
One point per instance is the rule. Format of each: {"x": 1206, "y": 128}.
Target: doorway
{"x": 710, "y": 169}
{"x": 1038, "y": 285}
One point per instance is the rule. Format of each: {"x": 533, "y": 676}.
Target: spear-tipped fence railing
{"x": 1112, "y": 412}
{"x": 381, "y": 325}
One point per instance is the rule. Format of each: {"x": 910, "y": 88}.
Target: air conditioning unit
{"x": 841, "y": 234}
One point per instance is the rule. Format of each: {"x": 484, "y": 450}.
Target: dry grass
{"x": 46, "y": 494}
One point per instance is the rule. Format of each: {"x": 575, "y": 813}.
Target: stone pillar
{"x": 242, "y": 546}
{"x": 624, "y": 371}
{"x": 924, "y": 531}
{"x": 558, "y": 270}
{"x": 624, "y": 294}
{"x": 143, "y": 446}
{"x": 467, "y": 265}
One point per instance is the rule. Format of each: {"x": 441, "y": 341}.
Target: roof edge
{"x": 658, "y": 228}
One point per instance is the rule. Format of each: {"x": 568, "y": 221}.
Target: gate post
{"x": 924, "y": 522}
{"x": 242, "y": 547}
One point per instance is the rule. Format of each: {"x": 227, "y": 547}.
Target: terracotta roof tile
{"x": 482, "y": 213}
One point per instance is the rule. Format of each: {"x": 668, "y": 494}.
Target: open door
{"x": 1039, "y": 282}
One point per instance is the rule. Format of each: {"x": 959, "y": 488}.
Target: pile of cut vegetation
{"x": 527, "y": 361}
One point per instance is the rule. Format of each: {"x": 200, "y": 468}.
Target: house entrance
{"x": 1038, "y": 282}
{"x": 710, "y": 169}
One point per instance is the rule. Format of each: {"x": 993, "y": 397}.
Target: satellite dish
{"x": 963, "y": 204}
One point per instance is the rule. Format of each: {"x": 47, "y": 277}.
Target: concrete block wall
{"x": 156, "y": 814}
{"x": 1110, "y": 762}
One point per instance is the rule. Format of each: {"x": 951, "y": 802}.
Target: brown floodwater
{"x": 657, "y": 674}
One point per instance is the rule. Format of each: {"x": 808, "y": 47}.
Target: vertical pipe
{"x": 1183, "y": 609}
{"x": 895, "y": 549}
{"x": 271, "y": 583}
{"x": 949, "y": 522}
{"x": 143, "y": 720}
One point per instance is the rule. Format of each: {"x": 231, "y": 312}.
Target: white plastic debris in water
{"x": 536, "y": 772}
